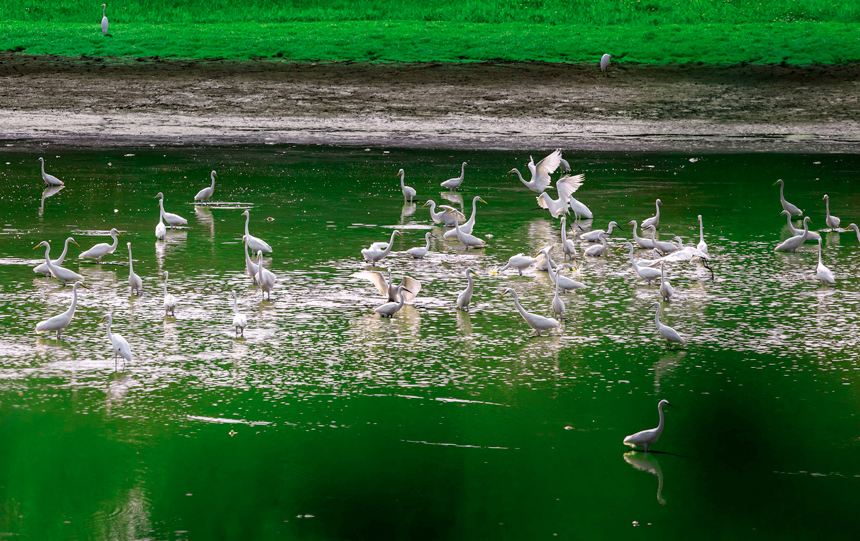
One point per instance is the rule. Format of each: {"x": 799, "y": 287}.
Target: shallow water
{"x": 327, "y": 422}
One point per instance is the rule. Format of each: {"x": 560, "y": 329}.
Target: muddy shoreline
{"x": 90, "y": 102}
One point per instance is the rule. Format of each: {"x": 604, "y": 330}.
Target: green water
{"x": 435, "y": 424}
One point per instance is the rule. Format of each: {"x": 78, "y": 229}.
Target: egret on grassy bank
{"x": 134, "y": 280}
{"x": 465, "y": 296}
{"x": 793, "y": 210}
{"x": 454, "y": 183}
{"x": 604, "y": 63}
{"x": 469, "y": 225}
{"x": 822, "y": 272}
{"x": 541, "y": 172}
{"x": 254, "y": 243}
{"x": 408, "y": 191}
{"x": 239, "y": 320}
{"x": 646, "y": 438}
{"x": 378, "y": 250}
{"x": 665, "y": 331}
{"x": 42, "y": 268}
{"x": 519, "y": 262}
{"x": 118, "y": 344}
{"x": 831, "y": 221}
{"x": 50, "y": 180}
{"x": 104, "y": 30}
{"x": 420, "y": 251}
{"x": 60, "y": 322}
{"x": 204, "y": 194}
{"x": 60, "y": 273}
{"x": 102, "y": 249}
{"x": 172, "y": 220}
{"x": 536, "y": 322}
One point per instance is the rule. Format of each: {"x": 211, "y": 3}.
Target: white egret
{"x": 204, "y": 194}
{"x": 536, "y": 322}
{"x": 566, "y": 283}
{"x": 647, "y": 438}
{"x": 60, "y": 322}
{"x": 250, "y": 266}
{"x": 682, "y": 253}
{"x": 265, "y": 278}
{"x": 831, "y": 221}
{"x": 169, "y": 300}
{"x": 466, "y": 239}
{"x": 60, "y": 273}
{"x": 454, "y": 183}
{"x": 254, "y": 243}
{"x": 465, "y": 296}
{"x": 469, "y": 225}
{"x": 119, "y": 345}
{"x": 390, "y": 308}
{"x": 160, "y": 230}
{"x": 565, "y": 186}
{"x": 594, "y": 236}
{"x": 42, "y": 268}
{"x": 102, "y": 249}
{"x": 792, "y": 209}
{"x": 659, "y": 245}
{"x": 408, "y": 191}
{"x": 597, "y": 250}
{"x": 133, "y": 279}
{"x": 666, "y": 288}
{"x": 810, "y": 235}
{"x": 420, "y": 251}
{"x": 541, "y": 172}
{"x": 643, "y": 243}
{"x": 171, "y": 219}
{"x": 378, "y": 250}
{"x": 388, "y": 288}
{"x": 50, "y": 180}
{"x": 822, "y": 272}
{"x": 104, "y": 33}
{"x": 702, "y": 246}
{"x": 790, "y": 245}
{"x": 567, "y": 245}
{"x": 646, "y": 273}
{"x": 239, "y": 320}
{"x": 665, "y": 331}
{"x": 856, "y": 230}
{"x": 519, "y": 262}
{"x": 557, "y": 302}
{"x": 653, "y": 220}
{"x": 448, "y": 216}
{"x": 604, "y": 63}
{"x": 542, "y": 261}
{"x": 565, "y": 167}
{"x": 579, "y": 209}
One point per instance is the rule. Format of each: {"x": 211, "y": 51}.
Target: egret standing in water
{"x": 390, "y": 308}
{"x": 646, "y": 273}
{"x": 790, "y": 245}
{"x": 169, "y": 300}
{"x": 119, "y": 345}
{"x": 465, "y": 296}
{"x": 172, "y": 220}
{"x": 594, "y": 236}
{"x": 448, "y": 216}
{"x": 831, "y": 221}
{"x": 420, "y": 251}
{"x": 265, "y": 278}
{"x": 597, "y": 251}
{"x": 856, "y": 230}
{"x": 239, "y": 320}
{"x": 204, "y": 194}
{"x": 104, "y": 24}
{"x": 536, "y": 322}
{"x": 666, "y": 288}
{"x": 102, "y": 249}
{"x": 665, "y": 331}
{"x": 50, "y": 180}
{"x": 519, "y": 262}
{"x": 653, "y": 220}
{"x": 822, "y": 272}
{"x": 604, "y": 63}
{"x": 541, "y": 172}
{"x": 408, "y": 191}
{"x": 466, "y": 239}
{"x": 388, "y": 288}
{"x": 565, "y": 186}
{"x": 255, "y": 244}
{"x": 60, "y": 273}
{"x": 643, "y": 243}
{"x": 702, "y": 246}
{"x": 567, "y": 245}
{"x": 469, "y": 225}
{"x": 160, "y": 230}
{"x": 42, "y": 268}
{"x": 379, "y": 250}
{"x": 557, "y": 302}
{"x": 453, "y": 183}
{"x": 60, "y": 322}
{"x": 647, "y": 438}
{"x": 793, "y": 210}
{"x": 134, "y": 280}
{"x": 810, "y": 235}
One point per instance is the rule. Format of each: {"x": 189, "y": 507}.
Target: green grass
{"x": 413, "y": 41}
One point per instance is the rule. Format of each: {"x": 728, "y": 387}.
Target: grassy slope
{"x": 413, "y": 41}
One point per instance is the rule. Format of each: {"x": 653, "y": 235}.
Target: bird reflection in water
{"x": 407, "y": 211}
{"x": 204, "y": 216}
{"x": 647, "y": 462}
{"x": 454, "y": 198}
{"x": 48, "y": 192}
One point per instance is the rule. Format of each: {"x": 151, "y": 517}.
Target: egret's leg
{"x": 520, "y": 271}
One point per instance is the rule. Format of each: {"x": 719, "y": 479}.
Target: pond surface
{"x": 328, "y": 422}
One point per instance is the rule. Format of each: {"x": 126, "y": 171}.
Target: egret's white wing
{"x": 376, "y": 279}
{"x": 378, "y": 246}
{"x": 549, "y": 164}
{"x": 567, "y": 185}
{"x": 414, "y": 287}
{"x": 451, "y": 211}
{"x": 541, "y": 201}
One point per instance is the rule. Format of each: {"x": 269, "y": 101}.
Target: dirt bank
{"x": 102, "y": 102}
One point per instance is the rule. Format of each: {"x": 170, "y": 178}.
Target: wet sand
{"x": 110, "y": 102}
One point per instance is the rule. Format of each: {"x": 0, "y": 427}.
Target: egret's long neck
{"x": 563, "y": 231}
{"x": 819, "y": 251}
{"x": 130, "y": 262}
{"x": 71, "y": 309}
{"x": 43, "y": 167}
{"x": 609, "y": 231}
{"x": 427, "y": 245}
{"x": 235, "y": 306}
{"x": 474, "y": 210}
{"x": 432, "y": 207}
{"x": 63, "y": 255}
{"x": 260, "y": 269}
{"x": 805, "y": 226}
{"x": 660, "y": 425}
{"x": 657, "y": 321}
{"x": 462, "y": 171}
{"x": 48, "y": 255}
{"x": 390, "y": 244}
{"x": 109, "y": 334}
{"x": 701, "y": 231}
{"x": 115, "y": 241}
{"x": 517, "y": 304}
{"x": 635, "y": 233}
{"x": 788, "y": 219}
{"x": 402, "y": 176}
{"x": 400, "y": 296}
{"x": 165, "y": 286}
{"x": 781, "y": 196}
{"x": 827, "y": 207}
{"x": 247, "y": 219}
{"x": 103, "y": 16}
{"x": 635, "y": 266}
{"x": 658, "y": 210}
{"x": 517, "y": 171}
{"x": 654, "y": 235}
{"x": 213, "y": 182}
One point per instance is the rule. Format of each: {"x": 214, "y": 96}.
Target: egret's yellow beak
{"x": 425, "y": 204}
{"x": 36, "y": 246}
{"x": 503, "y": 294}
{"x": 101, "y": 320}
{"x": 481, "y": 199}
{"x": 76, "y": 242}
{"x": 619, "y": 248}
